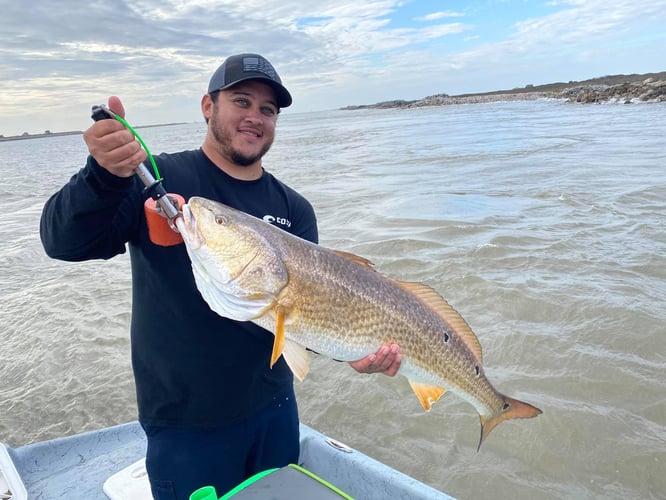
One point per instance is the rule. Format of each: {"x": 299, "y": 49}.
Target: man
{"x": 213, "y": 411}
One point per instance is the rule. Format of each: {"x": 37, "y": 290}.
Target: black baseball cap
{"x": 243, "y": 67}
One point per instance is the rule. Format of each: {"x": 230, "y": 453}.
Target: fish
{"x": 337, "y": 304}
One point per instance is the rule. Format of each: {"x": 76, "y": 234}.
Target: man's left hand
{"x": 386, "y": 360}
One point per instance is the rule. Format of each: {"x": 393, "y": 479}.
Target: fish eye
{"x": 221, "y": 220}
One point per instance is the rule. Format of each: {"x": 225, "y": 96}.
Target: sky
{"x": 58, "y": 59}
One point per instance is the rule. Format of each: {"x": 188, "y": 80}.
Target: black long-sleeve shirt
{"x": 193, "y": 368}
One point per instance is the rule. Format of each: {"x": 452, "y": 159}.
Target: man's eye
{"x": 268, "y": 111}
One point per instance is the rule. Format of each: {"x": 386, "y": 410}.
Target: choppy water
{"x": 543, "y": 223}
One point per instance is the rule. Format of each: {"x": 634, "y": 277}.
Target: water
{"x": 543, "y": 223}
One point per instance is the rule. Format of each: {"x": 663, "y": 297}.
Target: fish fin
{"x": 427, "y": 394}
{"x": 512, "y": 409}
{"x": 278, "y": 342}
{"x": 297, "y": 358}
{"x": 356, "y": 258}
{"x": 452, "y": 317}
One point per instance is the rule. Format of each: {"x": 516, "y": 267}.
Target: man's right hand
{"x": 112, "y": 145}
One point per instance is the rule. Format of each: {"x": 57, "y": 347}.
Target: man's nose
{"x": 253, "y": 113}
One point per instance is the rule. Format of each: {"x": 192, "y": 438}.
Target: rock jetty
{"x": 648, "y": 90}
{"x": 625, "y": 89}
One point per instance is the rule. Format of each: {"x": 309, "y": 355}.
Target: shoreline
{"x": 26, "y": 135}
{"x": 627, "y": 89}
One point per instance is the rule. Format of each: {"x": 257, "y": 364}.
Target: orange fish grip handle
{"x": 161, "y": 229}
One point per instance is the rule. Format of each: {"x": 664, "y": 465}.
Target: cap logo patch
{"x": 260, "y": 65}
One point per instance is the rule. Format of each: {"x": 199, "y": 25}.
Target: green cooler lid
{"x": 288, "y": 483}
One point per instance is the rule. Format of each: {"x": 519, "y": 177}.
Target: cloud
{"x": 158, "y": 55}
{"x": 439, "y": 15}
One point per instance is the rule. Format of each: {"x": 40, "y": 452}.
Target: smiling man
{"x": 213, "y": 410}
{"x": 241, "y": 108}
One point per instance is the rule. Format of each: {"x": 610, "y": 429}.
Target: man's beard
{"x": 224, "y": 141}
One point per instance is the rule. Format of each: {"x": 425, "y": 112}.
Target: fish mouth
{"x": 189, "y": 231}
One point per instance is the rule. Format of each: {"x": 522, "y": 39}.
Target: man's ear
{"x": 207, "y": 105}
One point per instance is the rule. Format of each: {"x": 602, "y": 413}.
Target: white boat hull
{"x": 107, "y": 464}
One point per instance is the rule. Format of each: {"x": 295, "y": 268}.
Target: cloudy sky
{"x": 57, "y": 59}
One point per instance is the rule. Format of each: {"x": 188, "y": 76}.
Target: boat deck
{"x": 76, "y": 467}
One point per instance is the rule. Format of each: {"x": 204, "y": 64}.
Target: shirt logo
{"x": 278, "y": 221}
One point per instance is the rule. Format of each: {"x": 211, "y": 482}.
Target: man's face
{"x": 242, "y": 121}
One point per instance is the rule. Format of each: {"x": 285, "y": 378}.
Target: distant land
{"x": 48, "y": 133}
{"x": 648, "y": 87}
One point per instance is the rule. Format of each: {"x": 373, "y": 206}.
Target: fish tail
{"x": 512, "y": 408}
